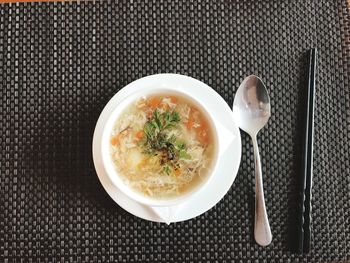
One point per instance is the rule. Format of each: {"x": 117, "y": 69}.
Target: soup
{"x": 162, "y": 146}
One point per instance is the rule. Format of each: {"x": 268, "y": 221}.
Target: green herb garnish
{"x": 167, "y": 169}
{"x": 184, "y": 155}
{"x": 158, "y": 142}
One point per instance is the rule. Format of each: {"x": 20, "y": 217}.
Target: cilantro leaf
{"x": 167, "y": 169}
{"x": 158, "y": 142}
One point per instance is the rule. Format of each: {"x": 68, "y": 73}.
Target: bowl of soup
{"x": 159, "y": 146}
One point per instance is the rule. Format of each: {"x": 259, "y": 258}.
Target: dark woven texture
{"x": 61, "y": 63}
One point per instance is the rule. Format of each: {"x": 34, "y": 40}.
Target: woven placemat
{"x": 61, "y": 63}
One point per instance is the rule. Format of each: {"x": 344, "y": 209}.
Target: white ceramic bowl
{"x": 142, "y": 89}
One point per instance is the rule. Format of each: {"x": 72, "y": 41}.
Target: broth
{"x": 162, "y": 145}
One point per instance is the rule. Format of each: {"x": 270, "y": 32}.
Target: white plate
{"x": 228, "y": 164}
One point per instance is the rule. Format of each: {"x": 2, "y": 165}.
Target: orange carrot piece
{"x": 154, "y": 102}
{"x": 115, "y": 140}
{"x": 177, "y": 172}
{"x": 139, "y": 135}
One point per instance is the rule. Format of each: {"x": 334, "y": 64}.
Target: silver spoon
{"x": 252, "y": 110}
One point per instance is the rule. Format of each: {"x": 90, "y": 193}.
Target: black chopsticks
{"x": 304, "y": 207}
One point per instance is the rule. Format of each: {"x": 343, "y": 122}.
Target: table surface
{"x": 61, "y": 63}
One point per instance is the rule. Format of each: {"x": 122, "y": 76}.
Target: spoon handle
{"x": 262, "y": 231}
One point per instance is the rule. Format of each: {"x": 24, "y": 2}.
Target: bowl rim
{"x": 107, "y": 161}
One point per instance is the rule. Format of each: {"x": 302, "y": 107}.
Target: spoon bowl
{"x": 252, "y": 105}
{"x": 252, "y": 110}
